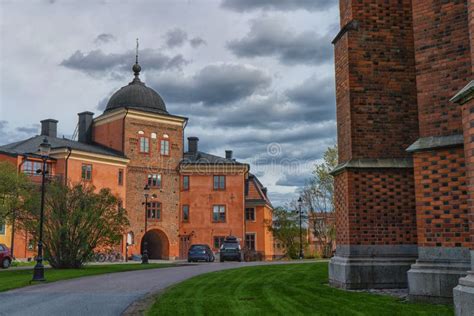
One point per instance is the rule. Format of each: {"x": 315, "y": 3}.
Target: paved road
{"x": 108, "y": 294}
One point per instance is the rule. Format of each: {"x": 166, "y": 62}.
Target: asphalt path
{"x": 107, "y": 294}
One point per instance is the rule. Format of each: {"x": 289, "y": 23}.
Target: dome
{"x": 137, "y": 95}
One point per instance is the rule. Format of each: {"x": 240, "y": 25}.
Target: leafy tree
{"x": 16, "y": 194}
{"x": 15, "y": 190}
{"x": 78, "y": 220}
{"x": 318, "y": 202}
{"x": 285, "y": 228}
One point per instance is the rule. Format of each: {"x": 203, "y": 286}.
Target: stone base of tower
{"x": 463, "y": 294}
{"x": 436, "y": 273}
{"x": 371, "y": 266}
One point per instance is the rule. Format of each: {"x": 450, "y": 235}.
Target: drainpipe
{"x": 66, "y": 164}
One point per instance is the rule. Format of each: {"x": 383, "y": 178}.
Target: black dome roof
{"x": 137, "y": 95}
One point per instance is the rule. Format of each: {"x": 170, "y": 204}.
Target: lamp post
{"x": 38, "y": 272}
{"x": 145, "y": 243}
{"x": 300, "y": 201}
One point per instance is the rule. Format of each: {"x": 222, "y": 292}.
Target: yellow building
{"x": 5, "y": 235}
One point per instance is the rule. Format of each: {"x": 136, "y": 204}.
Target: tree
{"x": 318, "y": 201}
{"x": 16, "y": 194}
{"x": 285, "y": 228}
{"x": 78, "y": 220}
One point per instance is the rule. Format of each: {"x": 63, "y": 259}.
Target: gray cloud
{"x": 317, "y": 95}
{"x": 270, "y": 37}
{"x": 213, "y": 84}
{"x": 196, "y": 42}
{"x": 312, "y": 101}
{"x": 28, "y": 130}
{"x": 98, "y": 63}
{"x": 293, "y": 180}
{"x": 175, "y": 38}
{"x": 104, "y": 38}
{"x": 278, "y": 5}
{"x": 8, "y": 134}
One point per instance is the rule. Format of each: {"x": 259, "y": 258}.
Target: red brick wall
{"x": 376, "y": 92}
{"x": 468, "y": 123}
{"x": 443, "y": 63}
{"x": 109, "y": 134}
{"x": 441, "y": 197}
{"x": 139, "y": 167}
{"x": 379, "y": 210}
{"x": 471, "y": 31}
{"x": 341, "y": 198}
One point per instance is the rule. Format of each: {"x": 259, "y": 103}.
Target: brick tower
{"x": 136, "y": 123}
{"x": 377, "y": 121}
{"x": 405, "y": 111}
{"x": 443, "y": 67}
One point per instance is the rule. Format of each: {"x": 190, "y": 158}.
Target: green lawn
{"x": 299, "y": 289}
{"x": 12, "y": 279}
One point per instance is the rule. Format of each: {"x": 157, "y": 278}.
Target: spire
{"x": 136, "y": 68}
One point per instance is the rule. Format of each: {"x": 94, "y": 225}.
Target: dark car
{"x": 5, "y": 257}
{"x": 200, "y": 253}
{"x": 230, "y": 250}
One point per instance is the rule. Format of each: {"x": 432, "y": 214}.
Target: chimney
{"x": 228, "y": 154}
{"x": 49, "y": 127}
{"x": 85, "y": 127}
{"x": 193, "y": 144}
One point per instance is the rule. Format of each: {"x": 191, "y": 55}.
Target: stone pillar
{"x": 376, "y": 121}
{"x": 464, "y": 292}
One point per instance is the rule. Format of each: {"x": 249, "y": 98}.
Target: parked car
{"x": 5, "y": 256}
{"x": 230, "y": 249}
{"x": 200, "y": 253}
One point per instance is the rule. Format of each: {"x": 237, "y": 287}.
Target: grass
{"x": 12, "y": 279}
{"x": 299, "y": 289}
{"x": 25, "y": 264}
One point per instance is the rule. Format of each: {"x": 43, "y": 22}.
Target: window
{"x": 219, "y": 182}
{"x": 250, "y": 214}
{"x": 144, "y": 145}
{"x": 185, "y": 213}
{"x": 218, "y": 214}
{"x": 185, "y": 183}
{"x": 154, "y": 180}
{"x": 250, "y": 241}
{"x": 154, "y": 210}
{"x": 31, "y": 167}
{"x": 2, "y": 229}
{"x": 86, "y": 172}
{"x": 120, "y": 177}
{"x": 165, "y": 147}
{"x": 218, "y": 241}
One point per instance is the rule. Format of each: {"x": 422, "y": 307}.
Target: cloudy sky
{"x": 254, "y": 76}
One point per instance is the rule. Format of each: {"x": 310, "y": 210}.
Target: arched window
{"x": 130, "y": 238}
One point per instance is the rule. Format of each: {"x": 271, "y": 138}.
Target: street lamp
{"x": 38, "y": 272}
{"x": 145, "y": 243}
{"x": 300, "y": 201}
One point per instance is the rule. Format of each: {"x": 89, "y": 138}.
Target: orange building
{"x": 193, "y": 197}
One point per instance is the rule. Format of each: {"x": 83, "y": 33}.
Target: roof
{"x": 204, "y": 158}
{"x": 136, "y": 95}
{"x": 255, "y": 191}
{"x": 31, "y": 145}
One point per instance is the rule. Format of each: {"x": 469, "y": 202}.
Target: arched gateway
{"x": 157, "y": 244}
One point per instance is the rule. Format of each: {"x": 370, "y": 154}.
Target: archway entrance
{"x": 157, "y": 244}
